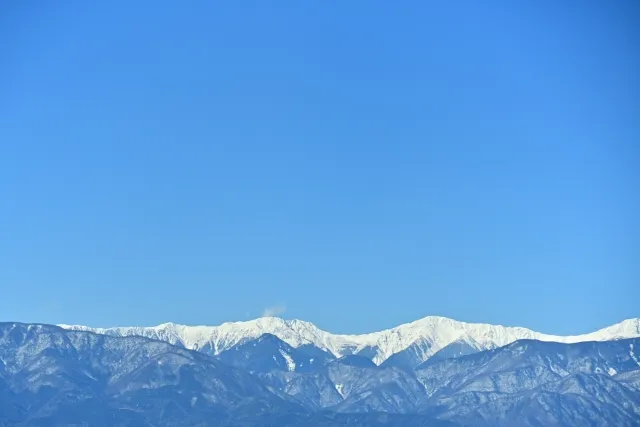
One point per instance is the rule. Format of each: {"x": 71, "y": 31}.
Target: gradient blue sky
{"x": 361, "y": 163}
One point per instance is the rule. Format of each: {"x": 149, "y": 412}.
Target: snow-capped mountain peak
{"x": 425, "y": 336}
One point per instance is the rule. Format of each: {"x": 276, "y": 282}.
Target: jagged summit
{"x": 423, "y": 337}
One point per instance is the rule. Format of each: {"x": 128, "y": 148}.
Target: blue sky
{"x": 361, "y": 164}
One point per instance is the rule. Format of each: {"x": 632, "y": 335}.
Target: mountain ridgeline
{"x": 172, "y": 376}
{"x": 407, "y": 345}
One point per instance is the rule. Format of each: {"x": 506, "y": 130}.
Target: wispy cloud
{"x": 274, "y": 310}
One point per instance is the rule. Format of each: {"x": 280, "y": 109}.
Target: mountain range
{"x": 407, "y": 345}
{"x": 240, "y": 374}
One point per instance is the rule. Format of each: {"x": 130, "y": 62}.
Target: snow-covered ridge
{"x": 430, "y": 334}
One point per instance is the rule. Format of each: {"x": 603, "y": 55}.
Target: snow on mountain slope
{"x": 430, "y": 334}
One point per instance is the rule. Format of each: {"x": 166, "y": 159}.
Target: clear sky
{"x": 359, "y": 163}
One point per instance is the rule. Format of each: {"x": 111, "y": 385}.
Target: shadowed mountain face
{"x": 55, "y": 377}
{"x": 413, "y": 356}
{"x": 491, "y": 385}
{"x": 525, "y": 364}
{"x": 269, "y": 353}
{"x": 51, "y": 376}
{"x": 531, "y": 383}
